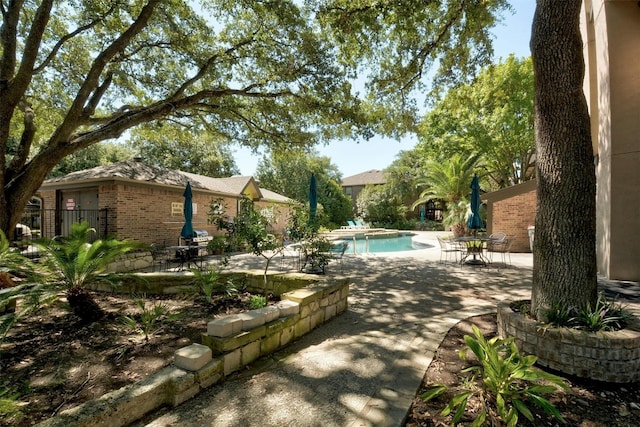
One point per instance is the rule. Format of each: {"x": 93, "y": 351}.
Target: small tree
{"x": 76, "y": 262}
{"x": 253, "y": 228}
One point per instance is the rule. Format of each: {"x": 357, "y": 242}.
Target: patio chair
{"x": 360, "y": 224}
{"x": 336, "y": 252}
{"x": 503, "y": 248}
{"x": 448, "y": 248}
{"x": 290, "y": 253}
{"x": 160, "y": 257}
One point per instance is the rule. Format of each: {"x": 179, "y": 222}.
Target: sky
{"x": 353, "y": 157}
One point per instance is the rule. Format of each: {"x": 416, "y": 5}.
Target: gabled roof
{"x": 131, "y": 170}
{"x": 372, "y": 177}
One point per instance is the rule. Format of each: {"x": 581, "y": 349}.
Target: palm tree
{"x": 77, "y": 261}
{"x": 449, "y": 181}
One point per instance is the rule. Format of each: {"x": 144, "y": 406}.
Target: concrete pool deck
{"x": 364, "y": 367}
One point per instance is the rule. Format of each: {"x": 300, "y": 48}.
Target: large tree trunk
{"x": 564, "y": 253}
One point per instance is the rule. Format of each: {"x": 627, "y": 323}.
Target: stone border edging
{"x": 611, "y": 356}
{"x": 195, "y": 368}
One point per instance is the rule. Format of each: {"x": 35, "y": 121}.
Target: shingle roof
{"x": 139, "y": 171}
{"x": 364, "y": 178}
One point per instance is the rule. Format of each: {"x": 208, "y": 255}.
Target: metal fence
{"x": 49, "y": 223}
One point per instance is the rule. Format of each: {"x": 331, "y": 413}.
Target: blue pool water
{"x": 384, "y": 244}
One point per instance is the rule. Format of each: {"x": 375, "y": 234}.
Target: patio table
{"x": 186, "y": 254}
{"x": 474, "y": 252}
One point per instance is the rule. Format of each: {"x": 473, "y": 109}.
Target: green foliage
{"x": 32, "y": 297}
{"x": 257, "y": 301}
{"x": 148, "y": 322}
{"x": 401, "y": 175}
{"x": 218, "y": 244}
{"x": 13, "y": 262}
{"x": 29, "y": 290}
{"x": 448, "y": 181}
{"x": 317, "y": 255}
{"x": 289, "y": 173}
{"x": 558, "y": 315}
{"x": 491, "y": 118}
{"x": 208, "y": 283}
{"x": 100, "y": 154}
{"x": 380, "y": 206}
{"x": 606, "y": 315}
{"x": 77, "y": 261}
{"x": 189, "y": 149}
{"x": 505, "y": 382}
{"x": 9, "y": 407}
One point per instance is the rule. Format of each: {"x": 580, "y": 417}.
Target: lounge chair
{"x": 361, "y": 225}
{"x": 352, "y": 226}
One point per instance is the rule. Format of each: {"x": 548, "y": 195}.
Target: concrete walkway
{"x": 364, "y": 367}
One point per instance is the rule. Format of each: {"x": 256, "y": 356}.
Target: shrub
{"x": 257, "y": 301}
{"x": 77, "y": 261}
{"x": 505, "y": 383}
{"x": 208, "y": 284}
{"x": 148, "y": 322}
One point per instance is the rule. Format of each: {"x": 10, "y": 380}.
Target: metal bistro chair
{"x": 160, "y": 256}
{"x": 336, "y": 252}
{"x": 504, "y": 248}
{"x": 290, "y": 252}
{"x": 448, "y": 247}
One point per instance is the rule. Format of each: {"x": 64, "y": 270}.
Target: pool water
{"x": 383, "y": 244}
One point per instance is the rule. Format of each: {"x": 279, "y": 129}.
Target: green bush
{"x": 149, "y": 319}
{"x": 605, "y": 315}
{"x": 257, "y": 301}
{"x": 505, "y": 383}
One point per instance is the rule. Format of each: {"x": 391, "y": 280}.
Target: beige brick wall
{"x": 513, "y": 216}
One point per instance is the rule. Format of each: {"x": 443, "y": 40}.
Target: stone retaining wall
{"x": 611, "y": 356}
{"x": 229, "y": 344}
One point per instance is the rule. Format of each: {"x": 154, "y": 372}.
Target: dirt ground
{"x": 53, "y": 362}
{"x": 585, "y": 404}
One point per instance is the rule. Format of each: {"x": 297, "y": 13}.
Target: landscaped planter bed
{"x": 226, "y": 347}
{"x": 611, "y": 356}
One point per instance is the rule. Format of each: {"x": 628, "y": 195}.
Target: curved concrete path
{"x": 364, "y": 367}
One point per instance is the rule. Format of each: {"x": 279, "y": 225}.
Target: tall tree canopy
{"x": 289, "y": 173}
{"x": 492, "y": 117}
{"x": 270, "y": 73}
{"x": 190, "y": 149}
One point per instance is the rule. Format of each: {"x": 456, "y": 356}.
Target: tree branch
{"x": 69, "y": 36}
{"x": 21, "y": 156}
{"x": 69, "y": 122}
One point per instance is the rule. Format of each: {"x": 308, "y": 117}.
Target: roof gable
{"x": 373, "y": 177}
{"x": 131, "y": 170}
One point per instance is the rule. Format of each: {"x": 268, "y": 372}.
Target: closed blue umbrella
{"x": 187, "y": 228}
{"x": 313, "y": 199}
{"x": 475, "y": 222}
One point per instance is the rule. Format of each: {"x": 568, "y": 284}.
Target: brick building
{"x": 131, "y": 199}
{"x": 512, "y": 210}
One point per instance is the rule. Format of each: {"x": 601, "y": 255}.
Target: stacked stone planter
{"x": 611, "y": 356}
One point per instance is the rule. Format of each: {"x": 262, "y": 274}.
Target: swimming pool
{"x": 399, "y": 243}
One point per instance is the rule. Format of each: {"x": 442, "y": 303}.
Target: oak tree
{"x": 564, "y": 251}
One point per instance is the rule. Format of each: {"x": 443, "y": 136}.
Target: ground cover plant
{"x": 584, "y": 403}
